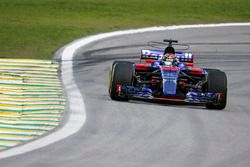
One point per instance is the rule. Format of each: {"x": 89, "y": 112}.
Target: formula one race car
{"x": 168, "y": 76}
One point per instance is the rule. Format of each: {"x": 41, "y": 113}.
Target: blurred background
{"x": 37, "y": 28}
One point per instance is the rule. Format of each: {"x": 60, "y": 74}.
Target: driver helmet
{"x": 169, "y": 49}
{"x": 169, "y": 54}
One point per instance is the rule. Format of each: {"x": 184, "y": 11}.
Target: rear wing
{"x": 184, "y": 57}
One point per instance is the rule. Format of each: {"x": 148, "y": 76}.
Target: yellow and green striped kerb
{"x": 31, "y": 100}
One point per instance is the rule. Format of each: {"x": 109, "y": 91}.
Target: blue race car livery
{"x": 175, "y": 80}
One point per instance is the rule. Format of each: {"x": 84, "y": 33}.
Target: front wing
{"x": 146, "y": 94}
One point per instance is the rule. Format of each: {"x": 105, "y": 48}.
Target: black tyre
{"x": 217, "y": 83}
{"x": 121, "y": 72}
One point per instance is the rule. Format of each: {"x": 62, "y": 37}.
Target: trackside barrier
{"x": 31, "y": 100}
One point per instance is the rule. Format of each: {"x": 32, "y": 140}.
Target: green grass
{"x": 37, "y": 28}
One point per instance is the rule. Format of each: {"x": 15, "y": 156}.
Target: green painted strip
{"x": 53, "y": 114}
{"x": 21, "y": 124}
{"x": 15, "y": 127}
{"x": 28, "y": 72}
{"x": 25, "y": 86}
{"x": 17, "y": 138}
{"x": 42, "y": 116}
{"x": 28, "y": 68}
{"x": 24, "y": 80}
{"x": 33, "y": 107}
{"x": 39, "y": 120}
{"x": 29, "y": 104}
{"x": 35, "y": 81}
{"x": 59, "y": 92}
{"x": 45, "y": 90}
{"x": 22, "y": 117}
{"x": 52, "y": 90}
{"x": 11, "y": 141}
{"x": 28, "y": 84}
{"x": 58, "y": 112}
{"x": 49, "y": 112}
{"x": 28, "y": 89}
{"x": 20, "y": 135}
{"x": 30, "y": 94}
{"x": 19, "y": 97}
{"x": 23, "y": 75}
{"x": 19, "y": 114}
{"x": 34, "y": 99}
{"x": 41, "y": 81}
{"x": 30, "y": 111}
{"x": 21, "y": 105}
{"x": 29, "y": 65}
{"x": 8, "y": 109}
{"x": 2, "y": 116}
{"x": 32, "y": 61}
{"x": 26, "y": 101}
{"x": 36, "y": 96}
{"x": 38, "y": 133}
{"x": 37, "y": 123}
{"x": 43, "y": 123}
{"x": 44, "y": 79}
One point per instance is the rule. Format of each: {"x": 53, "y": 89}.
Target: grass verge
{"x": 37, "y": 28}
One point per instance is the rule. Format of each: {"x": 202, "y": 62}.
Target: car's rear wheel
{"x": 121, "y": 73}
{"x": 217, "y": 83}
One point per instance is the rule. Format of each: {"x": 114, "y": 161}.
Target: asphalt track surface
{"x": 137, "y": 133}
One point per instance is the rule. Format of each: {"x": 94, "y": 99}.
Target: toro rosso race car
{"x": 169, "y": 76}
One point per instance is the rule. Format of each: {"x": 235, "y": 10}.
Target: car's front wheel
{"x": 217, "y": 83}
{"x": 121, "y": 73}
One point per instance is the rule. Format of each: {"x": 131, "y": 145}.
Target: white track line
{"x": 77, "y": 115}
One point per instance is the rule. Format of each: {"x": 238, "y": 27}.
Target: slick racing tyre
{"x": 217, "y": 83}
{"x": 121, "y": 73}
